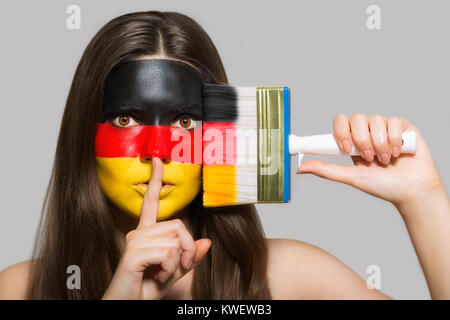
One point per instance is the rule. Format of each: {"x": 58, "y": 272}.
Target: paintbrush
{"x": 247, "y": 145}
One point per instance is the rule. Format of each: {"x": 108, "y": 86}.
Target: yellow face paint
{"x": 145, "y": 103}
{"x": 120, "y": 179}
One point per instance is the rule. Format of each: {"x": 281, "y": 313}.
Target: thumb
{"x": 203, "y": 246}
{"x": 329, "y": 171}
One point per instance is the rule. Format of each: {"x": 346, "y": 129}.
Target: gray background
{"x": 323, "y": 52}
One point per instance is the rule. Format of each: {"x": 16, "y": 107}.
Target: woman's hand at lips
{"x": 156, "y": 254}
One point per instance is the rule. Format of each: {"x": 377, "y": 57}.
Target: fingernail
{"x": 162, "y": 278}
{"x": 159, "y": 277}
{"x": 368, "y": 155}
{"x": 396, "y": 151}
{"x": 347, "y": 145}
{"x": 385, "y": 157}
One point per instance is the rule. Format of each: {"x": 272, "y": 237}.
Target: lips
{"x": 164, "y": 182}
{"x": 166, "y": 188}
{"x": 164, "y": 185}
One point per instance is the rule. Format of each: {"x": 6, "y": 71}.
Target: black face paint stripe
{"x": 156, "y": 89}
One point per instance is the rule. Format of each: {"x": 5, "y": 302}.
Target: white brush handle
{"x": 325, "y": 144}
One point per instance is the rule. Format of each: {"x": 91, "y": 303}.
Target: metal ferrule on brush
{"x": 271, "y": 112}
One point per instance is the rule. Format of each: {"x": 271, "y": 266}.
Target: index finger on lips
{"x": 150, "y": 206}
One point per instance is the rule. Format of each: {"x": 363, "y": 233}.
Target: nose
{"x": 156, "y": 143}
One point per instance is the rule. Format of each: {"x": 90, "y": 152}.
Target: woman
{"x": 147, "y": 251}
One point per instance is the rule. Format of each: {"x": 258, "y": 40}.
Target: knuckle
{"x": 178, "y": 224}
{"x": 173, "y": 252}
{"x": 395, "y": 119}
{"x": 359, "y": 117}
{"x": 174, "y": 243}
{"x": 340, "y": 117}
{"x": 165, "y": 253}
{"x": 377, "y": 118}
{"x": 130, "y": 235}
{"x": 360, "y": 140}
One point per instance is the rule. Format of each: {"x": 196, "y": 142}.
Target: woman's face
{"x": 151, "y": 107}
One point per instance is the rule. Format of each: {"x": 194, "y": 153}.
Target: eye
{"x": 124, "y": 121}
{"x": 185, "y": 122}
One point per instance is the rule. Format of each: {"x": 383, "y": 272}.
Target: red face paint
{"x": 212, "y": 143}
{"x": 146, "y": 141}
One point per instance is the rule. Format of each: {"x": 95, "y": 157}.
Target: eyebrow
{"x": 112, "y": 110}
{"x": 132, "y": 107}
{"x": 184, "y": 107}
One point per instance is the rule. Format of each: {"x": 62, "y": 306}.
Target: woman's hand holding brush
{"x": 410, "y": 181}
{"x": 381, "y": 170}
{"x": 156, "y": 254}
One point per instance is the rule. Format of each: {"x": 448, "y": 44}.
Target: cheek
{"x": 184, "y": 175}
{"x": 106, "y": 171}
{"x": 110, "y": 177}
{"x": 121, "y": 170}
{"x": 118, "y": 176}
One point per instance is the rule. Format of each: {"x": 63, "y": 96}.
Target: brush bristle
{"x": 233, "y": 178}
{"x": 238, "y": 176}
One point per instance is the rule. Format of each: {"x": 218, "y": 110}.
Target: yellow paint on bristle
{"x": 219, "y": 185}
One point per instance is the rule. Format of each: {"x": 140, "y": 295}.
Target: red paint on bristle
{"x": 221, "y": 145}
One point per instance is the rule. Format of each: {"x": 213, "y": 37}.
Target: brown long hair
{"x": 77, "y": 222}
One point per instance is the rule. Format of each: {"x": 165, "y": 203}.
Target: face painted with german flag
{"x": 151, "y": 108}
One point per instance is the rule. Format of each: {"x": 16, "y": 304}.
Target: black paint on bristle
{"x": 219, "y": 103}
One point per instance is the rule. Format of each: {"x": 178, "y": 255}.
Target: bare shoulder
{"x": 14, "y": 281}
{"x": 298, "y": 270}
